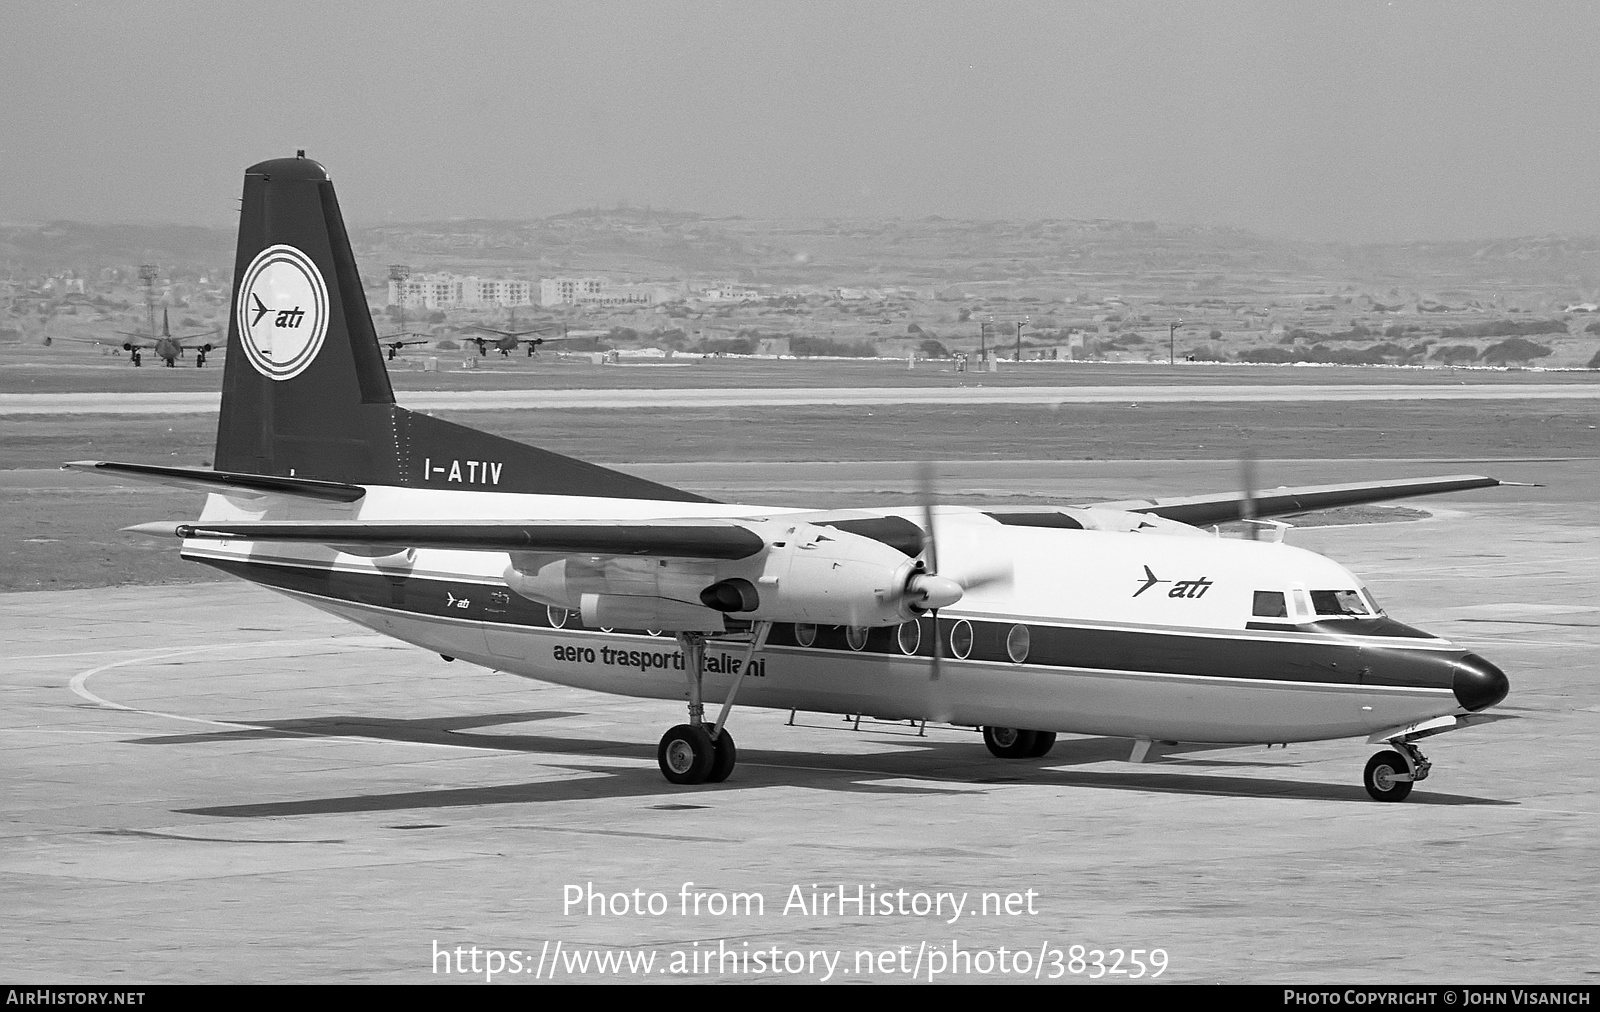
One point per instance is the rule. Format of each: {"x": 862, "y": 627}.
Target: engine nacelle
{"x": 614, "y": 611}
{"x": 563, "y": 581}
{"x": 821, "y": 575}
{"x": 809, "y": 573}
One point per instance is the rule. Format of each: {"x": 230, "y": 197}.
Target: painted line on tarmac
{"x": 79, "y": 686}
{"x": 702, "y": 398}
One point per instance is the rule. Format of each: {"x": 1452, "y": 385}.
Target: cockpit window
{"x": 1270, "y": 604}
{"x": 1340, "y": 603}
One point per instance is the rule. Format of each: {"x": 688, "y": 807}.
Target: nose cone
{"x": 1478, "y": 684}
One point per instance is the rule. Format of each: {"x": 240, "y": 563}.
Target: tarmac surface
{"x": 210, "y": 783}
{"x": 194, "y": 402}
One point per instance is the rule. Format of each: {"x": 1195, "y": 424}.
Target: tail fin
{"x": 305, "y": 392}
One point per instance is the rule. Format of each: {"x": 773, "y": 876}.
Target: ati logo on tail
{"x": 1180, "y": 588}
{"x": 282, "y": 312}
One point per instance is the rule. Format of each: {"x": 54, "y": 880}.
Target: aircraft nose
{"x": 1478, "y": 684}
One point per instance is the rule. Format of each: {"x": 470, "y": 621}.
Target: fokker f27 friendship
{"x": 1119, "y": 619}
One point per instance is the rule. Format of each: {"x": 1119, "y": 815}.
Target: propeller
{"x": 927, "y": 590}
{"x": 1247, "y": 505}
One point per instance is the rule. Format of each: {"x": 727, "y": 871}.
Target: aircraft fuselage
{"x": 1135, "y": 634}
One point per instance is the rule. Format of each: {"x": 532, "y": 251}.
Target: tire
{"x": 723, "y": 758}
{"x": 686, "y": 754}
{"x": 1010, "y": 742}
{"x": 1380, "y": 768}
{"x": 1043, "y": 742}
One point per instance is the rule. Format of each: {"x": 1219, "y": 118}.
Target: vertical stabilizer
{"x": 304, "y": 389}
{"x": 305, "y": 392}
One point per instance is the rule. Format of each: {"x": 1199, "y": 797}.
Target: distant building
{"x": 598, "y": 292}
{"x": 441, "y": 291}
{"x": 64, "y": 285}
{"x": 730, "y": 293}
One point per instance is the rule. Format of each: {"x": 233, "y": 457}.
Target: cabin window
{"x": 961, "y": 639}
{"x": 855, "y": 636}
{"x": 557, "y": 616}
{"x": 1270, "y": 604}
{"x": 1017, "y": 643}
{"x": 910, "y": 636}
{"x": 805, "y": 634}
{"x": 1339, "y": 604}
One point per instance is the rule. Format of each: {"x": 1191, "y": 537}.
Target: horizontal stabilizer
{"x": 689, "y": 539}
{"x": 1203, "y": 510}
{"x": 225, "y": 482}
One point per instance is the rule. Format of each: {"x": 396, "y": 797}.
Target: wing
{"x": 104, "y": 342}
{"x": 505, "y": 333}
{"x": 685, "y": 539}
{"x": 1202, "y": 510}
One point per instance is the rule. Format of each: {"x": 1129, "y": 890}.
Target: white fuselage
{"x": 1135, "y": 634}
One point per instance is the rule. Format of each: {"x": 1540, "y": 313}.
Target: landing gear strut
{"x": 1389, "y": 775}
{"x": 697, "y": 752}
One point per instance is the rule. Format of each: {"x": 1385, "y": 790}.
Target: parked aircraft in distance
{"x": 508, "y": 340}
{"x": 1117, "y": 619}
{"x": 167, "y": 348}
{"x": 395, "y": 343}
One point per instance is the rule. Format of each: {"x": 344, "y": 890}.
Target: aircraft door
{"x": 504, "y": 638}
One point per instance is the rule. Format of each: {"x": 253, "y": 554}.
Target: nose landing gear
{"x": 1390, "y": 775}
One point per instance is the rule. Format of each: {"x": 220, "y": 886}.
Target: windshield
{"x": 1340, "y": 604}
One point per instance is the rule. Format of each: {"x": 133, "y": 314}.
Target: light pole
{"x": 148, "y": 274}
{"x": 1172, "y": 342}
{"x": 398, "y": 273}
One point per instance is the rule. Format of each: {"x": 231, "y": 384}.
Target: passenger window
{"x": 1270, "y": 604}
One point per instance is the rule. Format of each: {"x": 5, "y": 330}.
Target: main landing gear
{"x": 1015, "y": 743}
{"x": 1389, "y": 775}
{"x": 697, "y": 752}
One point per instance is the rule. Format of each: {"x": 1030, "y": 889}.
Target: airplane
{"x": 1121, "y": 619}
{"x": 395, "y": 343}
{"x": 168, "y": 348}
{"x": 508, "y": 340}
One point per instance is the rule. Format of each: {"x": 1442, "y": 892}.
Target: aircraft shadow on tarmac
{"x": 947, "y": 767}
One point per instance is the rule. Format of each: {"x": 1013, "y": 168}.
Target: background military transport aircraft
{"x": 167, "y": 348}
{"x": 1121, "y": 619}
{"x": 507, "y": 340}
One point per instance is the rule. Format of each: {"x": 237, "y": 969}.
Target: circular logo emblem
{"x": 283, "y": 312}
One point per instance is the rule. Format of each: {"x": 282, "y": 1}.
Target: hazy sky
{"x": 1357, "y": 120}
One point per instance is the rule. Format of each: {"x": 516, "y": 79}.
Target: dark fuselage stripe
{"x": 1216, "y": 656}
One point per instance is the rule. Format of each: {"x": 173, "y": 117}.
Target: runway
{"x": 212, "y": 783}
{"x": 569, "y": 400}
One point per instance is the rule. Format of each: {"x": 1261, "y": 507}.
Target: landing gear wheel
{"x": 1010, "y": 742}
{"x": 722, "y": 762}
{"x": 1380, "y": 777}
{"x": 1043, "y": 742}
{"x": 686, "y": 754}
